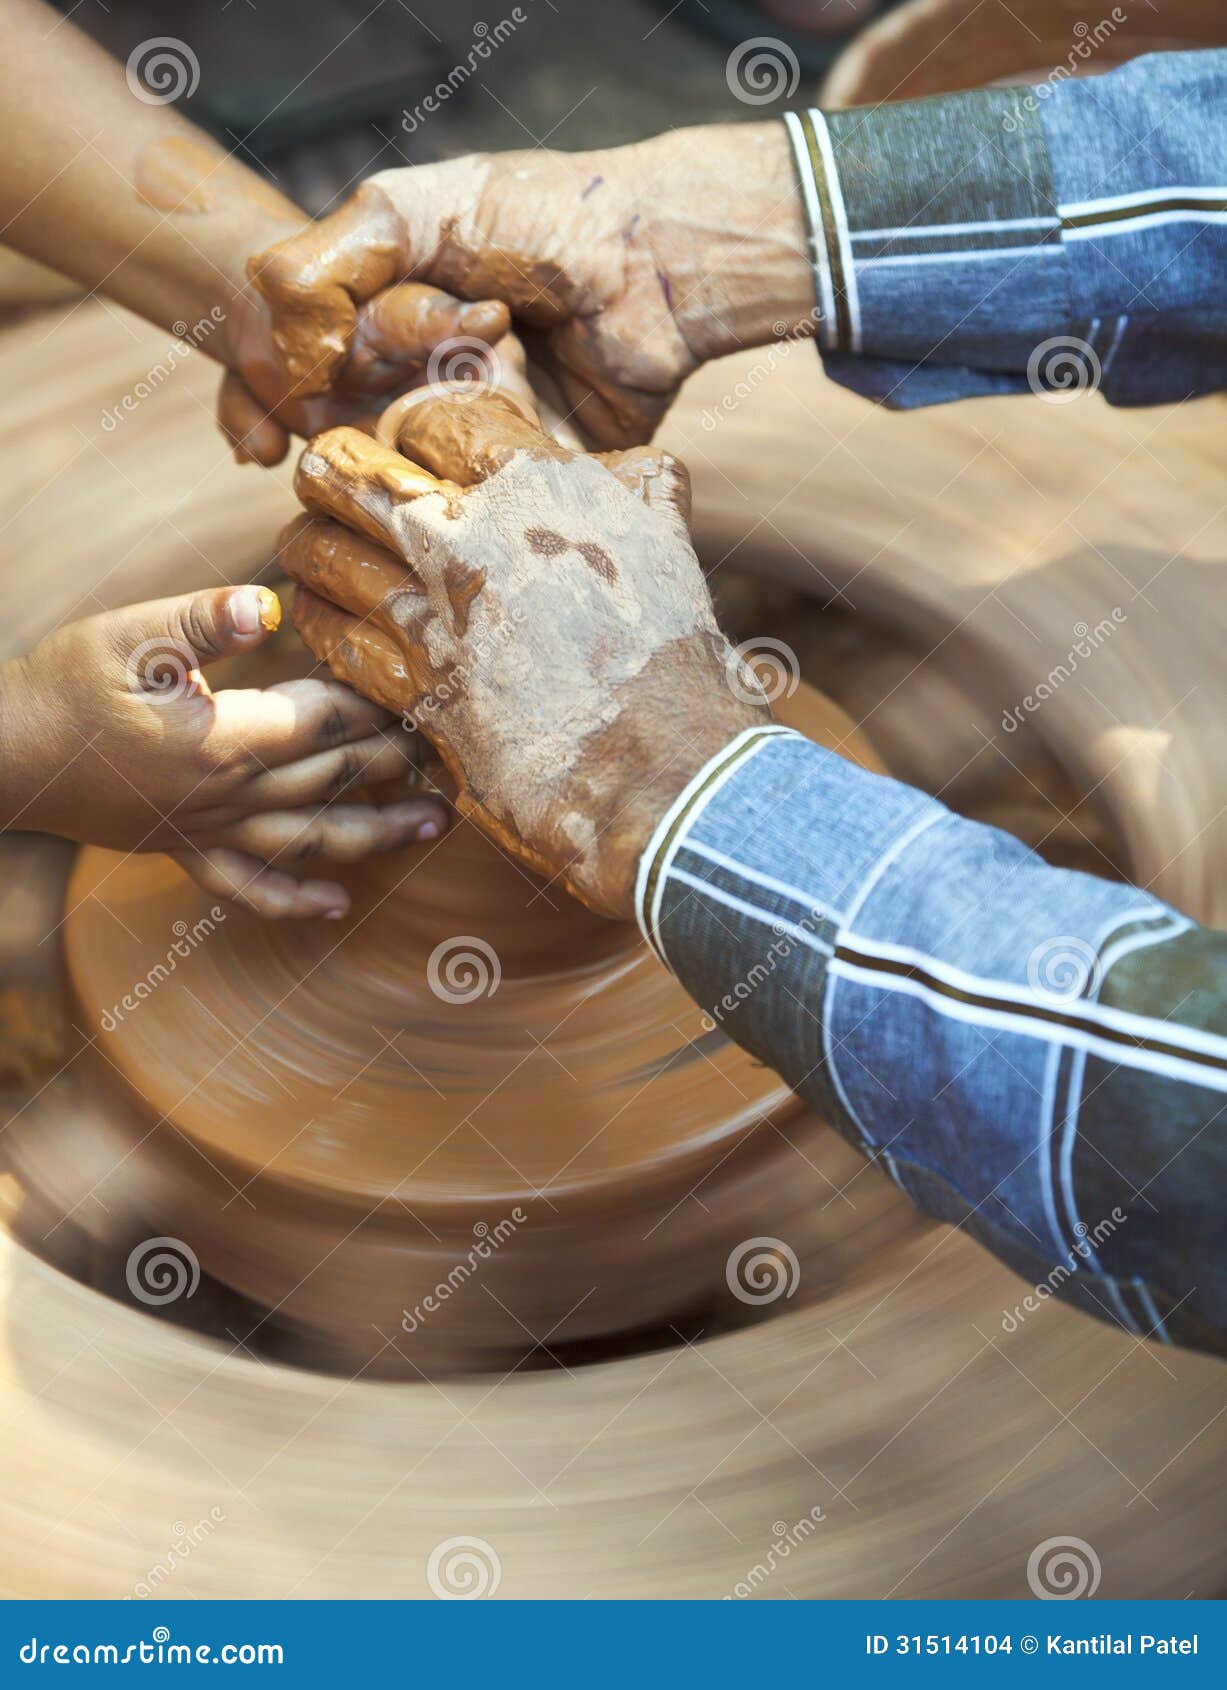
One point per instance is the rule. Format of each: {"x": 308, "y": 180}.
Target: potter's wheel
{"x": 940, "y": 1446}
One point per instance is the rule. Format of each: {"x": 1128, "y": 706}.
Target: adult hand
{"x": 625, "y": 269}
{"x": 539, "y": 614}
{"x": 265, "y": 395}
{"x": 110, "y": 734}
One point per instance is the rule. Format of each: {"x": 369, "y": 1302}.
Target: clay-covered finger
{"x": 256, "y": 437}
{"x": 392, "y": 755}
{"x": 346, "y": 475}
{"x": 348, "y": 569}
{"x": 412, "y": 325}
{"x": 270, "y": 893}
{"x": 465, "y": 435}
{"x": 314, "y": 281}
{"x": 658, "y": 478}
{"x": 343, "y": 833}
{"x": 357, "y": 652}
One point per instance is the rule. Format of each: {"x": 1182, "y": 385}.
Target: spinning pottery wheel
{"x": 668, "y": 1436}
{"x": 473, "y": 1070}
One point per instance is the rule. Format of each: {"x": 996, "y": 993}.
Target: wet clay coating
{"x": 565, "y": 749}
{"x": 620, "y": 292}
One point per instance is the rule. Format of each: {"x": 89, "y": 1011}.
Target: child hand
{"x": 110, "y": 734}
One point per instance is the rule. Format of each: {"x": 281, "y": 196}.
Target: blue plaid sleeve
{"x": 1037, "y": 1056}
{"x": 1070, "y": 234}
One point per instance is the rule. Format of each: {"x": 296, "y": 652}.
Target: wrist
{"x": 661, "y": 755}
{"x": 730, "y": 231}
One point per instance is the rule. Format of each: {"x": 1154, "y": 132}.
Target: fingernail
{"x": 427, "y": 830}
{"x": 270, "y": 610}
{"x": 245, "y": 610}
{"x": 333, "y": 915}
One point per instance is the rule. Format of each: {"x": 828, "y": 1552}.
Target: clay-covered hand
{"x": 110, "y": 734}
{"x": 538, "y": 613}
{"x": 400, "y": 338}
{"x": 624, "y": 269}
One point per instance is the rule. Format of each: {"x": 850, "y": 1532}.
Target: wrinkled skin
{"x": 261, "y": 402}
{"x": 624, "y": 269}
{"x": 110, "y": 734}
{"x": 538, "y": 613}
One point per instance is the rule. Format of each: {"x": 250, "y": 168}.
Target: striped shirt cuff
{"x": 681, "y": 816}
{"x": 934, "y": 230}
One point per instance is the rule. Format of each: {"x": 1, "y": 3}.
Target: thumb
{"x": 314, "y": 281}
{"x": 167, "y": 639}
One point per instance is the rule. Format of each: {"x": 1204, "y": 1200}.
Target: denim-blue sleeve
{"x": 1068, "y": 234}
{"x": 1034, "y": 1055}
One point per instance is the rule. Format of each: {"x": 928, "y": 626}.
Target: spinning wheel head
{"x": 471, "y": 1067}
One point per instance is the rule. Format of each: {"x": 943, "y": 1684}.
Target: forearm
{"x": 1036, "y": 1056}
{"x": 1003, "y": 240}
{"x": 122, "y": 194}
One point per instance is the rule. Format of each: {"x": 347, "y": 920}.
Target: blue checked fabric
{"x": 960, "y": 244}
{"x": 1037, "y": 1056}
